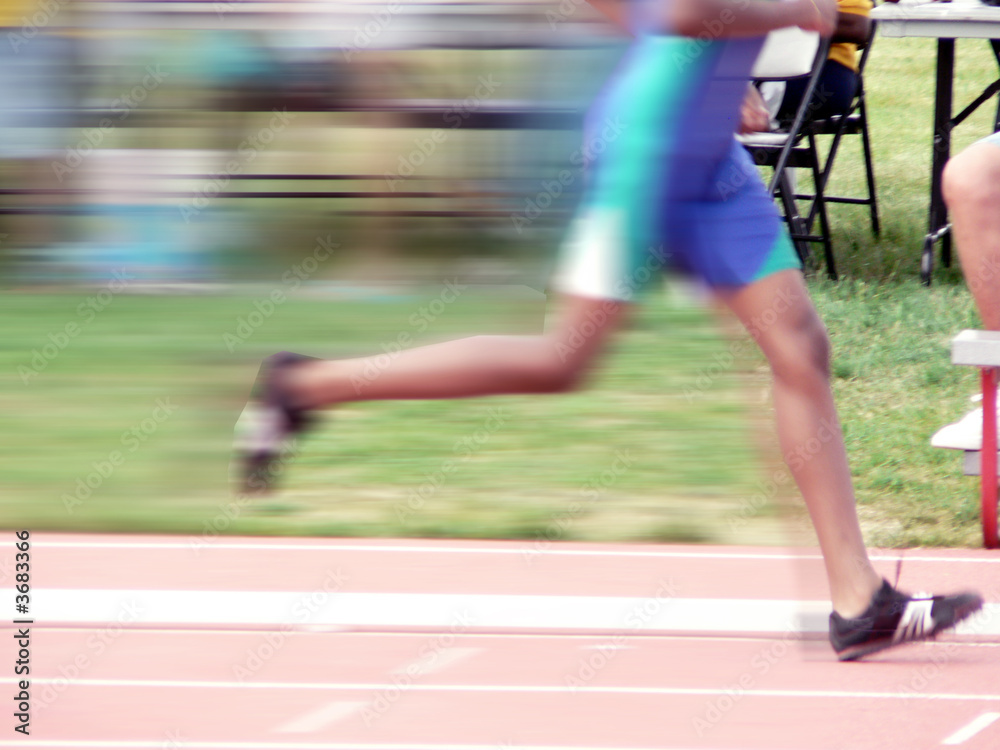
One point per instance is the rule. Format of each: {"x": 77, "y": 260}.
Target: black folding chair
{"x": 791, "y": 54}
{"x": 852, "y": 122}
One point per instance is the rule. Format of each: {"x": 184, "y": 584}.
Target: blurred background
{"x": 187, "y": 187}
{"x": 195, "y": 141}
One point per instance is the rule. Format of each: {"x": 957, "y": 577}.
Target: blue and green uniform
{"x": 668, "y": 184}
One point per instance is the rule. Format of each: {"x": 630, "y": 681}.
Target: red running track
{"x": 125, "y": 680}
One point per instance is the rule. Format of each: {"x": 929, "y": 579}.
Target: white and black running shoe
{"x": 267, "y": 430}
{"x": 894, "y": 618}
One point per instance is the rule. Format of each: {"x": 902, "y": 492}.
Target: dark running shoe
{"x": 894, "y": 618}
{"x": 267, "y": 429}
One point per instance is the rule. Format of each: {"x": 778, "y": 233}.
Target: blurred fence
{"x": 368, "y": 110}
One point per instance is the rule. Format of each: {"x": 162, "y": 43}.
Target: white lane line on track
{"x": 973, "y": 728}
{"x": 322, "y": 717}
{"x": 161, "y": 607}
{"x": 526, "y": 551}
{"x": 531, "y": 689}
{"x": 195, "y": 745}
{"x": 471, "y": 611}
{"x": 434, "y": 660}
{"x": 196, "y": 632}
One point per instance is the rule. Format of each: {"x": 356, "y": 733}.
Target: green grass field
{"x": 125, "y": 425}
{"x": 665, "y": 446}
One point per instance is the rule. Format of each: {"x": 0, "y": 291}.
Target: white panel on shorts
{"x": 593, "y": 260}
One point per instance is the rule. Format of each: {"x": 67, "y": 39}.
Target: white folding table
{"x": 946, "y": 22}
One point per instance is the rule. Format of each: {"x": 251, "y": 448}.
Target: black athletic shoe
{"x": 894, "y": 618}
{"x": 267, "y": 428}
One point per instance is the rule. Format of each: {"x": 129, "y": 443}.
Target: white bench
{"x": 982, "y": 349}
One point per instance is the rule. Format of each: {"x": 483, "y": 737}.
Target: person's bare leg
{"x": 779, "y": 314}
{"x": 972, "y": 192}
{"x": 476, "y": 366}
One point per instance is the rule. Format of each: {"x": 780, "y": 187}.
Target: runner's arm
{"x": 615, "y": 11}
{"x": 743, "y": 18}
{"x": 852, "y": 28}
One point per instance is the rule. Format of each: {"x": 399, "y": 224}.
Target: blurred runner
{"x": 668, "y": 186}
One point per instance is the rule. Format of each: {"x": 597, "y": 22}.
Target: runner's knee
{"x": 971, "y": 178}
{"x": 801, "y": 351}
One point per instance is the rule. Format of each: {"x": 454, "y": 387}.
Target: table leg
{"x": 988, "y": 465}
{"x": 941, "y": 152}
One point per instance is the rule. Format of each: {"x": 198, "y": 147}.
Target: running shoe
{"x": 894, "y": 618}
{"x": 267, "y": 430}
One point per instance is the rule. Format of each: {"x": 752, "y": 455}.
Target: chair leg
{"x": 824, "y": 177}
{"x": 869, "y": 170}
{"x": 819, "y": 203}
{"x": 796, "y": 224}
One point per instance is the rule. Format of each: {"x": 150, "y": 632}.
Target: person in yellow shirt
{"x": 838, "y": 82}
{"x": 14, "y": 12}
